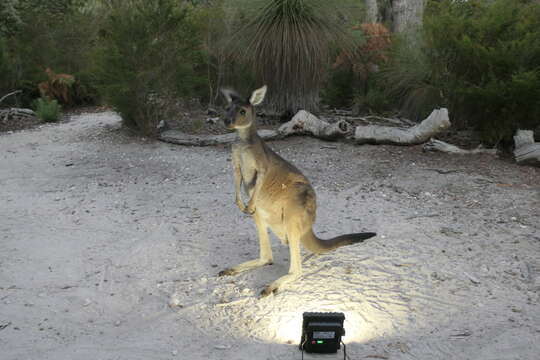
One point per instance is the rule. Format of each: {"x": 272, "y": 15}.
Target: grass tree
{"x": 288, "y": 43}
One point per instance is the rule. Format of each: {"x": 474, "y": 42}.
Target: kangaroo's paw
{"x": 275, "y": 286}
{"x": 228, "y": 272}
{"x": 268, "y": 290}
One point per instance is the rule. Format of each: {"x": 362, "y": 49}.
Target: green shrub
{"x": 411, "y": 82}
{"x": 47, "y": 110}
{"x": 481, "y": 59}
{"x": 375, "y": 100}
{"x": 54, "y": 34}
{"x": 355, "y": 75}
{"x": 339, "y": 89}
{"x": 149, "y": 54}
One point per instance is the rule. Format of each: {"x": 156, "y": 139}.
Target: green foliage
{"x": 47, "y": 34}
{"x": 375, "y": 100}
{"x": 149, "y": 55}
{"x": 411, "y": 81}
{"x": 217, "y": 22}
{"x": 479, "y": 58}
{"x": 339, "y": 90}
{"x": 6, "y": 77}
{"x": 47, "y": 110}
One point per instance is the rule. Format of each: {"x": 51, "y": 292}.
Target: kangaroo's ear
{"x": 258, "y": 96}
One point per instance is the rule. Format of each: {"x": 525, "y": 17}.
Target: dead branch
{"x": 16, "y": 113}
{"x": 436, "y": 122}
{"x": 526, "y": 150}
{"x": 180, "y": 138}
{"x": 306, "y": 123}
{"x": 10, "y": 94}
{"x": 396, "y": 121}
{"x": 437, "y": 145}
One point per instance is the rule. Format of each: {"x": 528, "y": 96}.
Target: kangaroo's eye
{"x": 242, "y": 112}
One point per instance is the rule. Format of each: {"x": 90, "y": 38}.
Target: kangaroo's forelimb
{"x": 238, "y": 181}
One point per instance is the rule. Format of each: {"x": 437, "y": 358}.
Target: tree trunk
{"x": 406, "y": 14}
{"x": 372, "y": 11}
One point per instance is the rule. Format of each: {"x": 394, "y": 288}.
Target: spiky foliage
{"x": 288, "y": 43}
{"x": 57, "y": 86}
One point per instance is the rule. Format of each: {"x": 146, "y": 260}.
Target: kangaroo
{"x": 280, "y": 196}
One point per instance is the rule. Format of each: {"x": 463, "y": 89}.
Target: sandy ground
{"x": 100, "y": 231}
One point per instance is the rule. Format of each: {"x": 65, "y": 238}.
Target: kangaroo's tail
{"x": 320, "y": 246}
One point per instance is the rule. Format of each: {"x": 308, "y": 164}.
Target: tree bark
{"x": 372, "y": 11}
{"x": 406, "y": 14}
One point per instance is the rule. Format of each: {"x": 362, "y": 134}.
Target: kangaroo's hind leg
{"x": 265, "y": 251}
{"x": 294, "y": 232}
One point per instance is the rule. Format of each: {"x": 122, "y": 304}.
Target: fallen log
{"x": 306, "y": 123}
{"x": 17, "y": 118}
{"x": 438, "y": 145}
{"x": 436, "y": 122}
{"x": 180, "y": 138}
{"x": 526, "y": 151}
{"x": 16, "y": 114}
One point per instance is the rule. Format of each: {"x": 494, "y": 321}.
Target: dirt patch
{"x": 100, "y": 230}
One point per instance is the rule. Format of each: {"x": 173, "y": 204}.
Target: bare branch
{"x": 10, "y": 94}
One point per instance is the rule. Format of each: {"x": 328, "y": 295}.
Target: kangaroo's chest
{"x": 249, "y": 167}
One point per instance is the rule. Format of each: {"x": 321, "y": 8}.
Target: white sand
{"x": 99, "y": 231}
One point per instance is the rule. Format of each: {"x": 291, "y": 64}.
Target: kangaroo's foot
{"x": 275, "y": 286}
{"x": 248, "y": 265}
{"x": 228, "y": 271}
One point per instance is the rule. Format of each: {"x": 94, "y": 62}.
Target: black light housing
{"x": 322, "y": 332}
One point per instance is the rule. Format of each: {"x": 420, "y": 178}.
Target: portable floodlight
{"x": 322, "y": 332}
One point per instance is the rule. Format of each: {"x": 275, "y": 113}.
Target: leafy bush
{"x": 339, "y": 89}
{"x": 149, "y": 54}
{"x": 47, "y": 110}
{"x": 479, "y": 58}
{"x": 412, "y": 83}
{"x": 354, "y": 78}
{"x": 56, "y": 34}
